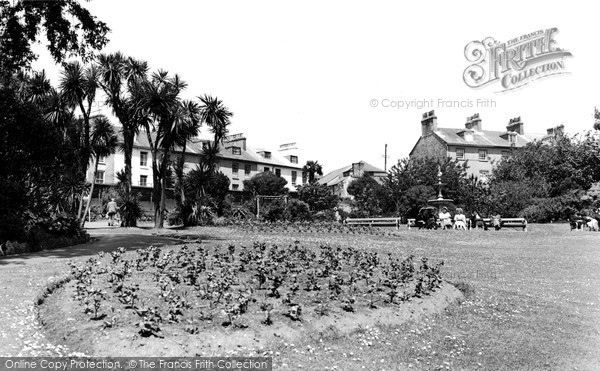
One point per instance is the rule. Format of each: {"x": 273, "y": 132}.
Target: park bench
{"x": 373, "y": 222}
{"x": 508, "y": 223}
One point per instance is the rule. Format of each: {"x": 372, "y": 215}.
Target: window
{"x": 304, "y": 177}
{"x": 247, "y": 169}
{"x": 267, "y": 168}
{"x": 278, "y": 172}
{"x": 235, "y": 187}
{"x": 512, "y": 139}
{"x": 99, "y": 177}
{"x": 204, "y": 145}
{"x": 102, "y": 159}
{"x": 460, "y": 153}
{"x": 143, "y": 158}
{"x": 294, "y": 159}
{"x": 235, "y": 167}
{"x": 236, "y": 150}
{"x": 483, "y": 155}
{"x": 505, "y": 154}
{"x": 266, "y": 154}
{"x": 294, "y": 177}
{"x": 143, "y": 180}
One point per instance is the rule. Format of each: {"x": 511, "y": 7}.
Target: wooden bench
{"x": 373, "y": 222}
{"x": 508, "y": 222}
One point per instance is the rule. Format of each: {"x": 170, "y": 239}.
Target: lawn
{"x": 531, "y": 301}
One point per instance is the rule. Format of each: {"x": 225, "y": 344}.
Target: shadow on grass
{"x": 100, "y": 242}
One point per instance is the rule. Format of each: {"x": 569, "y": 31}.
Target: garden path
{"x": 23, "y": 277}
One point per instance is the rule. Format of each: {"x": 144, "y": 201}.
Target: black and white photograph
{"x": 283, "y": 185}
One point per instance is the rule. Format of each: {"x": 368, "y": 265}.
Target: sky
{"x": 325, "y": 74}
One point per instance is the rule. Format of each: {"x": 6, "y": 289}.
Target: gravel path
{"x": 23, "y": 277}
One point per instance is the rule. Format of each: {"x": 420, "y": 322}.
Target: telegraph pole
{"x": 385, "y": 157}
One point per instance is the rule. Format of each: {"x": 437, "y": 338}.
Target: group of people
{"x": 579, "y": 221}
{"x": 444, "y": 220}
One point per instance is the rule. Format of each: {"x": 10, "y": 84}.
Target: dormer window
{"x": 294, "y": 159}
{"x": 204, "y": 145}
{"x": 512, "y": 138}
{"x": 236, "y": 150}
{"x": 266, "y": 154}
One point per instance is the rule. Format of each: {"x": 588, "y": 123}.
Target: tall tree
{"x": 170, "y": 126}
{"x": 78, "y": 87}
{"x": 70, "y": 29}
{"x": 218, "y": 118}
{"x": 120, "y": 78}
{"x": 103, "y": 144}
{"x": 188, "y": 129}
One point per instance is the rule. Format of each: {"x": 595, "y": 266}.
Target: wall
{"x": 429, "y": 146}
{"x": 472, "y": 158}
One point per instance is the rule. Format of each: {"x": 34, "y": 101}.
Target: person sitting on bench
{"x": 445, "y": 219}
{"x": 460, "y": 221}
{"x": 496, "y": 222}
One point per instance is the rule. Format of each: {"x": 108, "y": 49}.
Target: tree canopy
{"x": 265, "y": 184}
{"x": 69, "y": 28}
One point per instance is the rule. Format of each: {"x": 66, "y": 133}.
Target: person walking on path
{"x": 112, "y": 211}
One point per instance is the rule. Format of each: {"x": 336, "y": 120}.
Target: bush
{"x": 549, "y": 209}
{"x": 130, "y": 209}
{"x": 317, "y": 196}
{"x": 274, "y": 213}
{"x": 298, "y": 211}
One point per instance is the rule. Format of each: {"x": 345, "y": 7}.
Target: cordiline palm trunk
{"x": 128, "y": 137}
{"x": 89, "y": 201}
{"x": 181, "y": 167}
{"x": 159, "y": 221}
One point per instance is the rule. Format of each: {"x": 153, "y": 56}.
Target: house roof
{"x": 336, "y": 176}
{"x": 483, "y": 138}
{"x": 194, "y": 147}
{"x": 251, "y": 155}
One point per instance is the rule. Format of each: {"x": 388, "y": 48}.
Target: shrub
{"x": 274, "y": 213}
{"x": 130, "y": 209}
{"x": 298, "y": 211}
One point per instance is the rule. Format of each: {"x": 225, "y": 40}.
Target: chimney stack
{"x": 473, "y": 122}
{"x": 428, "y": 123}
{"x": 235, "y": 140}
{"x": 516, "y": 125}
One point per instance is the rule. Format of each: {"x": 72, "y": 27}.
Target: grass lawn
{"x": 532, "y": 302}
{"x": 535, "y": 304}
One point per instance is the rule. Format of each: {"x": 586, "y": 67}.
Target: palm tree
{"x": 34, "y": 88}
{"x": 78, "y": 87}
{"x": 173, "y": 123}
{"x": 120, "y": 77}
{"x": 218, "y": 118}
{"x": 103, "y": 143}
{"x": 188, "y": 129}
{"x": 311, "y": 168}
